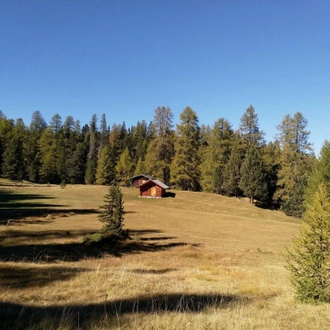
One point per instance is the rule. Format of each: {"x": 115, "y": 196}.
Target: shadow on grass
{"x": 74, "y": 251}
{"x": 152, "y": 271}
{"x": 14, "y": 316}
{"x": 16, "y": 208}
{"x": 15, "y": 277}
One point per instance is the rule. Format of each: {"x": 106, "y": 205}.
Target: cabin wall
{"x": 152, "y": 191}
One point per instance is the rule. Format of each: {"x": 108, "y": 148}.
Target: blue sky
{"x": 125, "y": 58}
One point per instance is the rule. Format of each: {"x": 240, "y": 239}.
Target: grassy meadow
{"x": 196, "y": 261}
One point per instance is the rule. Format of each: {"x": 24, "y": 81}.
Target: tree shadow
{"x": 34, "y": 277}
{"x": 75, "y": 251}
{"x": 152, "y": 271}
{"x": 14, "y": 316}
{"x": 169, "y": 194}
{"x": 34, "y": 216}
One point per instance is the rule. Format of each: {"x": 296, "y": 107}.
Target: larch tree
{"x": 106, "y": 171}
{"x": 185, "y": 169}
{"x": 295, "y": 163}
{"x": 309, "y": 260}
{"x": 249, "y": 130}
{"x": 124, "y": 168}
{"x": 216, "y": 156}
{"x": 52, "y": 155}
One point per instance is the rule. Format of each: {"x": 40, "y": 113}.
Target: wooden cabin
{"x": 153, "y": 189}
{"x": 139, "y": 179}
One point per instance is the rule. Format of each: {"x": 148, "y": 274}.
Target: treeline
{"x": 187, "y": 156}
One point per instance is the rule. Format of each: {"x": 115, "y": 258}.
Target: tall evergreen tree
{"x": 216, "y": 155}
{"x": 6, "y": 129}
{"x": 124, "y": 168}
{"x": 106, "y": 171}
{"x": 140, "y": 141}
{"x": 251, "y": 135}
{"x": 92, "y": 155}
{"x": 13, "y": 163}
{"x": 232, "y": 170}
{"x": 140, "y": 168}
{"x": 161, "y": 148}
{"x": 112, "y": 214}
{"x": 253, "y": 176}
{"x": 295, "y": 163}
{"x": 320, "y": 171}
{"x": 31, "y": 147}
{"x": 104, "y": 133}
{"x": 185, "y": 169}
{"x": 52, "y": 152}
{"x": 271, "y": 154}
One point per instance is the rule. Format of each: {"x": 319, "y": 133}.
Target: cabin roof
{"x": 156, "y": 182}
{"x": 150, "y": 177}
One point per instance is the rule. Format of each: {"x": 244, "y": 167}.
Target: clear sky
{"x": 125, "y": 58}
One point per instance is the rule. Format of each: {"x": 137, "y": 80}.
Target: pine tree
{"x": 112, "y": 214}
{"x": 309, "y": 260}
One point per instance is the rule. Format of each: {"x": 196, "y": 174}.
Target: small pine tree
{"x": 309, "y": 260}
{"x": 112, "y": 214}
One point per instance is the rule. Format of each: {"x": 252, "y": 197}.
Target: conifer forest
{"x": 188, "y": 155}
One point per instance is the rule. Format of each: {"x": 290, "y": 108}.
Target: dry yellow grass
{"x": 196, "y": 261}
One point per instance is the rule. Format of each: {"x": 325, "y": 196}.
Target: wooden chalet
{"x": 140, "y": 179}
{"x": 153, "y": 189}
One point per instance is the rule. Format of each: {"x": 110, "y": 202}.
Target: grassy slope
{"x": 196, "y": 261}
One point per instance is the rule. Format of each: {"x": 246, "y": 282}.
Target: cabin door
{"x": 153, "y": 191}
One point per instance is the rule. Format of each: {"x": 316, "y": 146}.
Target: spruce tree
{"x": 309, "y": 260}
{"x": 112, "y": 214}
{"x": 13, "y": 164}
{"x": 253, "y": 176}
{"x": 232, "y": 170}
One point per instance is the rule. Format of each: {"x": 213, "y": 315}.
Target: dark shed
{"x": 140, "y": 179}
